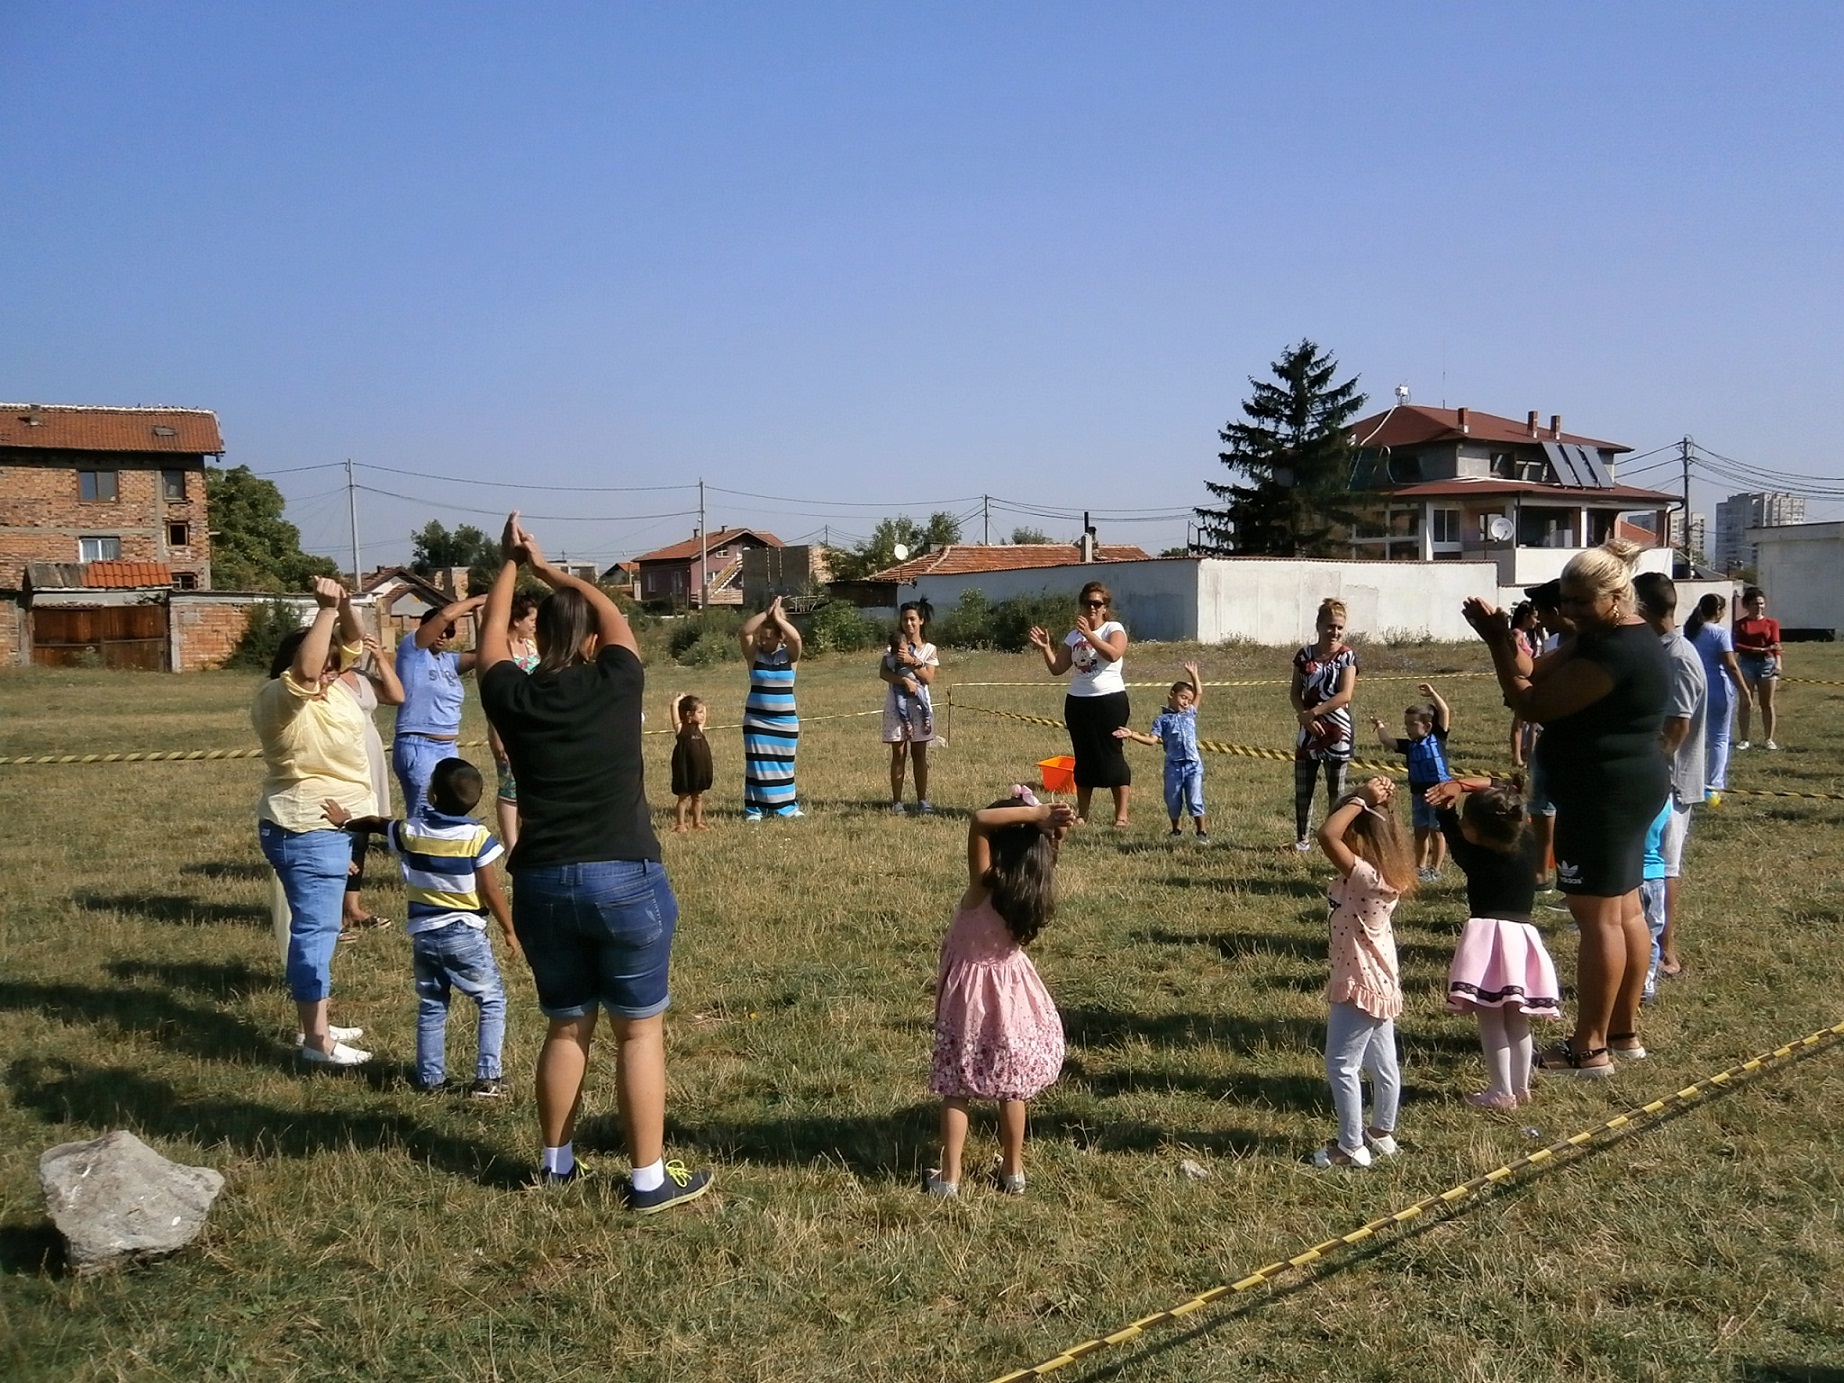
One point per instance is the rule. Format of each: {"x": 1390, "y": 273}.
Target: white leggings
{"x": 1354, "y": 1042}
{"x": 1504, "y": 1037}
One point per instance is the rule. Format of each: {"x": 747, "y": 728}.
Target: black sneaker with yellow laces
{"x": 679, "y": 1187}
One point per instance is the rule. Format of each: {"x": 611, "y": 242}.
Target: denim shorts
{"x": 1758, "y": 667}
{"x": 597, "y": 933}
{"x": 1536, "y": 791}
{"x": 1422, "y": 813}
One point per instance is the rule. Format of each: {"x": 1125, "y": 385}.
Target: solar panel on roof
{"x": 1563, "y": 463}
{"x": 1589, "y": 463}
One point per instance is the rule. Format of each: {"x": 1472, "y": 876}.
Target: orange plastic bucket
{"x": 1059, "y": 774}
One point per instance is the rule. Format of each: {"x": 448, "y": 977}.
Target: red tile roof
{"x": 71, "y": 427}
{"x": 960, "y": 559}
{"x": 1465, "y": 488}
{"x": 1412, "y": 424}
{"x": 131, "y": 576}
{"x": 688, "y": 550}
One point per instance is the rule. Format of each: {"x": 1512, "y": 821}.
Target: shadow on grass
{"x": 229, "y": 979}
{"x": 1259, "y": 887}
{"x": 111, "y": 1097}
{"x": 1763, "y": 1372}
{"x": 1246, "y": 945}
{"x": 179, "y": 1026}
{"x": 30, "y": 1248}
{"x": 1096, "y": 1027}
{"x": 254, "y": 870}
{"x": 172, "y": 907}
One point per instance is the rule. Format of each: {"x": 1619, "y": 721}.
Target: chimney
{"x": 1530, "y": 422}
{"x": 454, "y": 581}
{"x": 1087, "y": 541}
{"x": 1462, "y": 420}
{"x": 1555, "y": 424}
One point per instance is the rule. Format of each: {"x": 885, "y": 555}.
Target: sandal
{"x": 1563, "y": 1060}
{"x": 1635, "y": 1052}
{"x": 1331, "y": 1155}
{"x": 1486, "y": 1099}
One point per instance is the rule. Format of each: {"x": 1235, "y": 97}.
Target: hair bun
{"x": 1624, "y": 549}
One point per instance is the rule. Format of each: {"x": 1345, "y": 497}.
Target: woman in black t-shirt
{"x": 1601, "y": 702}
{"x": 591, "y": 904}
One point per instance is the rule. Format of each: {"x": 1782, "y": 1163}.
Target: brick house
{"x": 82, "y": 484}
{"x": 672, "y": 575}
{"x": 956, "y": 566}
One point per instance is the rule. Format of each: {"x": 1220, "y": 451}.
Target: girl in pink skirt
{"x": 1500, "y": 972}
{"x": 997, "y": 1034}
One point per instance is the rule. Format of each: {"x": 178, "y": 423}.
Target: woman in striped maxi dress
{"x": 771, "y": 725}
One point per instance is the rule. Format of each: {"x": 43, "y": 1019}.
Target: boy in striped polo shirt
{"x": 452, "y": 879}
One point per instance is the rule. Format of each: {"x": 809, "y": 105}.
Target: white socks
{"x": 649, "y": 1178}
{"x": 560, "y": 1160}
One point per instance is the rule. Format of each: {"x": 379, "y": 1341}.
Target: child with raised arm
{"x": 1424, "y": 745}
{"x": 1501, "y": 972}
{"x": 1361, "y": 839}
{"x": 450, "y": 873}
{"x": 998, "y": 1035}
{"x": 1175, "y": 730}
{"x": 692, "y": 773}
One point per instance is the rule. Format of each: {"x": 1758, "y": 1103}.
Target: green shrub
{"x": 1012, "y": 619}
{"x": 841, "y": 627}
{"x": 708, "y": 648}
{"x": 693, "y": 628}
{"x": 268, "y": 624}
{"x": 967, "y": 625}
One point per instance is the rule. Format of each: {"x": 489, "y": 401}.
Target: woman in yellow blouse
{"x": 313, "y": 751}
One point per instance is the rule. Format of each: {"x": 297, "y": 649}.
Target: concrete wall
{"x": 1531, "y": 566}
{"x": 1801, "y": 567}
{"x": 1155, "y": 600}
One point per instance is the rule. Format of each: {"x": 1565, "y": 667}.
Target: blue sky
{"x": 879, "y": 258}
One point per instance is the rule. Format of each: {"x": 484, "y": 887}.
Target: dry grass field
{"x": 368, "y": 1232}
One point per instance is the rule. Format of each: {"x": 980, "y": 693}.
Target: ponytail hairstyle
{"x": 1376, "y": 838}
{"x": 1021, "y": 880}
{"x": 564, "y": 622}
{"x": 1708, "y": 608}
{"x": 1498, "y": 816}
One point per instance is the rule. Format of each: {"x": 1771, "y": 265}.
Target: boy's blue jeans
{"x": 1184, "y": 787}
{"x": 449, "y": 958}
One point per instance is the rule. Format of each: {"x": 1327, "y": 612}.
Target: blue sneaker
{"x": 679, "y": 1187}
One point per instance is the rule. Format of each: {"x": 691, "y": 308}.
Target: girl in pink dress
{"x": 998, "y": 1036}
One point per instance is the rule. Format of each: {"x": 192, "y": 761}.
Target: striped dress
{"x": 771, "y": 734}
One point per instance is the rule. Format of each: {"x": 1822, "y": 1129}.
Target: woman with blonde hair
{"x": 1601, "y": 702}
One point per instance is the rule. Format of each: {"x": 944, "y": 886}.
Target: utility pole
{"x": 986, "y": 520}
{"x": 704, "y": 565}
{"x": 352, "y": 514}
{"x": 1684, "y": 450}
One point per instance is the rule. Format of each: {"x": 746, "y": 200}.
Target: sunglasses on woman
{"x": 1096, "y": 604}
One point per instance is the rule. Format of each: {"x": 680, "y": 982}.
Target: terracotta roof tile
{"x": 680, "y": 552}
{"x": 1467, "y": 487}
{"x": 1411, "y": 424}
{"x": 959, "y": 559}
{"x": 127, "y": 575}
{"x": 71, "y": 427}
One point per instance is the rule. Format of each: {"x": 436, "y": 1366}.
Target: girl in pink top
{"x": 998, "y": 1036}
{"x": 1375, "y": 870}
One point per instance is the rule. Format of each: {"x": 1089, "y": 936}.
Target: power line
{"x": 522, "y": 485}
{"x": 452, "y": 507}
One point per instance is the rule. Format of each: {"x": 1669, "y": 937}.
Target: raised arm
{"x": 383, "y": 676}
{"x": 1384, "y": 738}
{"x": 311, "y": 656}
{"x": 789, "y": 634}
{"x": 1568, "y": 685}
{"x": 1056, "y": 658}
{"x": 496, "y": 618}
{"x": 746, "y": 635}
{"x": 1443, "y": 714}
{"x": 1046, "y": 816}
{"x": 611, "y": 625}
{"x": 429, "y": 634}
{"x": 1197, "y": 684}
{"x": 1374, "y": 792}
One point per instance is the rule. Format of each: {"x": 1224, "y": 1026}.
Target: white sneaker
{"x": 1331, "y": 1155}
{"x": 935, "y": 1186}
{"x": 1382, "y": 1144}
{"x": 790, "y": 815}
{"x": 1772, "y": 745}
{"x": 1303, "y": 845}
{"x": 341, "y": 1055}
{"x": 897, "y": 809}
{"x": 337, "y": 1034}
{"x": 1741, "y": 746}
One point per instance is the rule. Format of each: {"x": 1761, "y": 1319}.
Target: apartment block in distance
{"x": 1756, "y": 509}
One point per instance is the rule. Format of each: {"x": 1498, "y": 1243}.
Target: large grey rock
{"x": 115, "y": 1200}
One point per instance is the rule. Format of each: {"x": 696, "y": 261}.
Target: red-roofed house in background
{"x": 941, "y": 575}
{"x": 1455, "y": 484}
{"x": 672, "y": 575}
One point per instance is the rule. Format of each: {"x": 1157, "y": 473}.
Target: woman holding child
{"x": 1601, "y": 701}
{"x": 313, "y": 744}
{"x": 1096, "y": 705}
{"x": 591, "y": 905}
{"x": 908, "y": 669}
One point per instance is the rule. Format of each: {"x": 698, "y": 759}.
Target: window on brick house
{"x": 178, "y": 535}
{"x": 97, "y": 485}
{"x": 99, "y": 549}
{"x": 173, "y": 485}
{"x": 185, "y": 581}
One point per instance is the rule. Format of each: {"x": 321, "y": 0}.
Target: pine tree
{"x": 1293, "y": 455}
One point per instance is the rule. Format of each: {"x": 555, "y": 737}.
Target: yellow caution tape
{"x": 1263, "y": 681}
{"x": 1541, "y": 1159}
{"x": 203, "y": 755}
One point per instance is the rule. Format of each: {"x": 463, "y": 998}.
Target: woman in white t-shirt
{"x": 1097, "y": 702}
{"x": 908, "y": 670}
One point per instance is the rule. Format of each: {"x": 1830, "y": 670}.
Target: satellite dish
{"x": 1498, "y": 528}
{"x": 1402, "y": 394}
{"x": 900, "y": 552}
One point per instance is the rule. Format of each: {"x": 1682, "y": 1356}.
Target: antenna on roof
{"x": 1402, "y": 394}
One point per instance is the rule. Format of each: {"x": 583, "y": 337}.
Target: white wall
{"x": 1531, "y": 566}
{"x": 1155, "y": 600}
{"x": 1801, "y": 567}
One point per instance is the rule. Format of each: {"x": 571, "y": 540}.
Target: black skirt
{"x": 692, "y": 772}
{"x": 1101, "y": 759}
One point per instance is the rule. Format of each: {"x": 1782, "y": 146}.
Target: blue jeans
{"x": 456, "y": 957}
{"x": 413, "y": 760}
{"x": 1184, "y": 787}
{"x": 1652, "y": 902}
{"x": 598, "y": 933}
{"x": 312, "y": 866}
